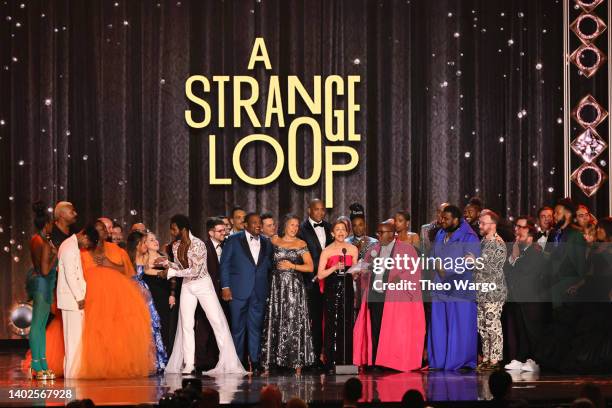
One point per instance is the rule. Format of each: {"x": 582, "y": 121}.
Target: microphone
{"x": 341, "y": 271}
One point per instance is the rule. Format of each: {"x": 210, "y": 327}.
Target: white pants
{"x": 72, "y": 321}
{"x": 203, "y": 291}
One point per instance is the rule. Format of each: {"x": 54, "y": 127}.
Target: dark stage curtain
{"x": 93, "y": 101}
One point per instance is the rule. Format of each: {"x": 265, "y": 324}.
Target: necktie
{"x": 557, "y": 237}
{"x": 318, "y": 225}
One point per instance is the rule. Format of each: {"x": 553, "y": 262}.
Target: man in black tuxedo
{"x": 317, "y": 234}
{"x": 206, "y": 351}
{"x": 545, "y": 226}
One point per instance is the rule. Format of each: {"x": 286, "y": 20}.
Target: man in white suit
{"x": 71, "y": 289}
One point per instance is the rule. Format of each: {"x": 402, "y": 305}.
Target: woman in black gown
{"x": 162, "y": 291}
{"x": 337, "y": 258}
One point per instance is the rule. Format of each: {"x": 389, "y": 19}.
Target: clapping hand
{"x": 516, "y": 250}
{"x": 162, "y": 261}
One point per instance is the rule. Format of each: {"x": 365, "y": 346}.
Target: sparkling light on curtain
{"x": 458, "y": 98}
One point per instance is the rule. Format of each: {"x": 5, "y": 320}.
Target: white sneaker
{"x": 516, "y": 375}
{"x": 530, "y": 366}
{"x": 514, "y": 365}
{"x": 530, "y": 376}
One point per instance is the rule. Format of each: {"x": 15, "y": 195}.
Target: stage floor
{"x": 436, "y": 386}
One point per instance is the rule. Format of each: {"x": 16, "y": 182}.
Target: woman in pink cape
{"x": 390, "y": 327}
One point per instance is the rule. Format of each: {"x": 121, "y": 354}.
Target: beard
{"x": 452, "y": 228}
{"x": 559, "y": 224}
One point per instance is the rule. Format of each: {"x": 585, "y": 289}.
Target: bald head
{"x": 315, "y": 201}
{"x": 108, "y": 223}
{"x": 65, "y": 213}
{"x": 316, "y": 210}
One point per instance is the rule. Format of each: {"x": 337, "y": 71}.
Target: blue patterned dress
{"x": 161, "y": 358}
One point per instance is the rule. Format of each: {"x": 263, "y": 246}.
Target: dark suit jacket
{"x": 568, "y": 258}
{"x": 527, "y": 277}
{"x": 206, "y": 349}
{"x": 212, "y": 264}
{"x": 308, "y": 234}
{"x": 240, "y": 272}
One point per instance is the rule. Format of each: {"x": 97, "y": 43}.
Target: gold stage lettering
{"x": 339, "y": 124}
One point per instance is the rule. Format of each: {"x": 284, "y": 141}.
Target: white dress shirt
{"x": 543, "y": 239}
{"x": 254, "y": 245}
{"x": 218, "y": 248}
{"x": 385, "y": 252}
{"x": 320, "y": 231}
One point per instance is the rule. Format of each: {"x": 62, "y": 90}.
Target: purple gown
{"x": 452, "y": 341}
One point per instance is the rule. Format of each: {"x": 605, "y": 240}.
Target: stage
{"x": 440, "y": 388}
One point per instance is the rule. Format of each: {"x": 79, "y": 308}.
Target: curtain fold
{"x": 94, "y": 106}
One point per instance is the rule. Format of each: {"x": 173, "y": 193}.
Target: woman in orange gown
{"x": 116, "y": 340}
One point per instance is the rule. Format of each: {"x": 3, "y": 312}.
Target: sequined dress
{"x": 286, "y": 338}
{"x": 338, "y": 331}
{"x": 161, "y": 357}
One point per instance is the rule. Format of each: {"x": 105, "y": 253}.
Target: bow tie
{"x": 318, "y": 225}
{"x": 253, "y": 237}
{"x": 218, "y": 245}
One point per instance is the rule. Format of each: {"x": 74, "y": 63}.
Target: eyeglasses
{"x": 521, "y": 226}
{"x": 220, "y": 231}
{"x": 484, "y": 223}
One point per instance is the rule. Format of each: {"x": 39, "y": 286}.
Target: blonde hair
{"x": 59, "y": 207}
